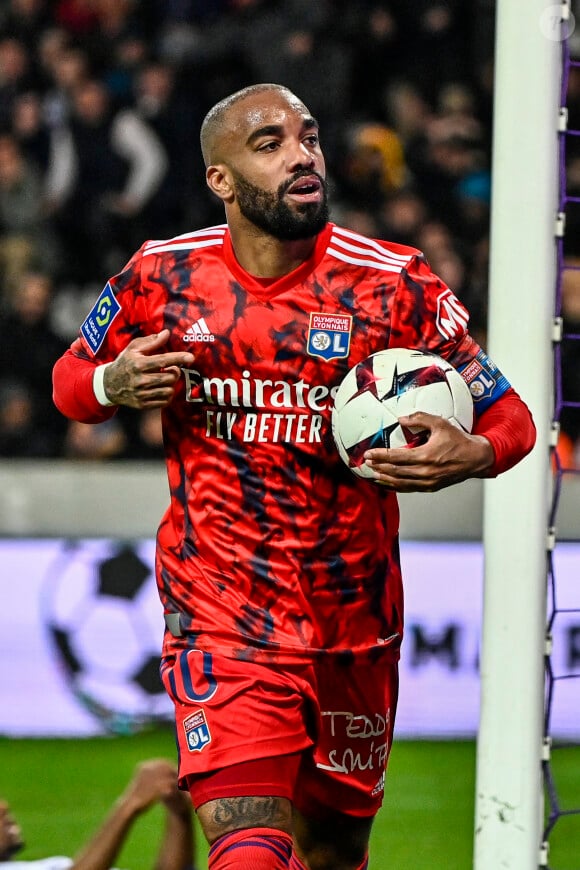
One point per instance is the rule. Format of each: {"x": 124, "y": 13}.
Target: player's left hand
{"x": 448, "y": 456}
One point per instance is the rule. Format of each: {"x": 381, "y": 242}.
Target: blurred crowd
{"x": 100, "y": 107}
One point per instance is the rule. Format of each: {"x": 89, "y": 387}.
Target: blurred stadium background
{"x": 100, "y": 106}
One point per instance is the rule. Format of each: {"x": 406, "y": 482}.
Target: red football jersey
{"x": 271, "y": 547}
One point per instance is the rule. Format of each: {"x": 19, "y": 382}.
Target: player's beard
{"x": 271, "y": 213}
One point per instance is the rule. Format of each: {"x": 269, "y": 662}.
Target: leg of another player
{"x": 340, "y": 842}
{"x": 247, "y": 833}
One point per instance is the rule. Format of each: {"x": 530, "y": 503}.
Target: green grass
{"x": 61, "y": 789}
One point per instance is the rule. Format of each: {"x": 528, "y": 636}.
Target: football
{"x": 104, "y": 621}
{"x": 390, "y": 384}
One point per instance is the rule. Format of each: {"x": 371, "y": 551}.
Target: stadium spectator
{"x": 450, "y": 151}
{"x": 16, "y": 76}
{"x": 174, "y": 114}
{"x": 78, "y": 17}
{"x": 107, "y": 440}
{"x": 403, "y": 215}
{"x": 144, "y": 434}
{"x": 117, "y": 45}
{"x": 374, "y": 32}
{"x": 28, "y": 425}
{"x": 27, "y": 240}
{"x": 436, "y": 34}
{"x": 372, "y": 165}
{"x": 18, "y": 431}
{"x": 153, "y": 782}
{"x": 45, "y": 147}
{"x": 114, "y": 165}
{"x": 50, "y": 42}
{"x": 66, "y": 69}
{"x": 24, "y": 20}
{"x": 31, "y": 131}
{"x": 407, "y": 111}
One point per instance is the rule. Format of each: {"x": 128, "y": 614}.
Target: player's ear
{"x": 219, "y": 182}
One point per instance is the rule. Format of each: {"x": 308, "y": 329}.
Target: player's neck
{"x": 264, "y": 256}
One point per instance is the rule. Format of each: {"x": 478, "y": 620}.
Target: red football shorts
{"x": 332, "y": 721}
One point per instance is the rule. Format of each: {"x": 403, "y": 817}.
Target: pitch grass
{"x": 60, "y": 790}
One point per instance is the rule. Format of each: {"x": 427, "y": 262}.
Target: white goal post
{"x": 509, "y": 803}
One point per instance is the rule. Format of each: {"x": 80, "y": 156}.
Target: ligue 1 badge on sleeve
{"x": 99, "y": 319}
{"x": 329, "y": 335}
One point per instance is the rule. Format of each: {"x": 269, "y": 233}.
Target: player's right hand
{"x": 449, "y": 456}
{"x": 153, "y": 780}
{"x": 10, "y": 836}
{"x": 142, "y": 376}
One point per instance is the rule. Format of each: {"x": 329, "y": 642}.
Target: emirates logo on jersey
{"x": 254, "y": 409}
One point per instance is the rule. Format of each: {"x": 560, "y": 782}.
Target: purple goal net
{"x": 561, "y": 758}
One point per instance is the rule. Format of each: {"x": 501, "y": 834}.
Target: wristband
{"x": 99, "y": 385}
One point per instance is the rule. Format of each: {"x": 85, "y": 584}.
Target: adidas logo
{"x": 199, "y": 331}
{"x": 379, "y": 787}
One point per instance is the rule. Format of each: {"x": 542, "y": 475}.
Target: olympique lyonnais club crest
{"x": 196, "y": 731}
{"x": 329, "y": 335}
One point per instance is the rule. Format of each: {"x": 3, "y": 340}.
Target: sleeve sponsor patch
{"x": 452, "y": 316}
{"x": 99, "y": 319}
{"x": 485, "y": 381}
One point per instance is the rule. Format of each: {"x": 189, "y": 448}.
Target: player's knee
{"x": 251, "y": 849}
{"x": 337, "y": 842}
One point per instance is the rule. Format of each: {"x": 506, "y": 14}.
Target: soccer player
{"x": 278, "y": 569}
{"x": 154, "y": 781}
